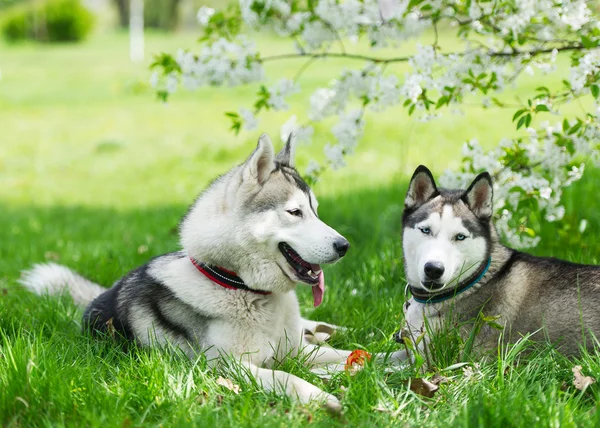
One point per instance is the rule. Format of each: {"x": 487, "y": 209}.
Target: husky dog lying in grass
{"x": 248, "y": 240}
{"x": 457, "y": 269}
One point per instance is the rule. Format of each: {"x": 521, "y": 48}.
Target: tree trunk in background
{"x": 123, "y": 9}
{"x": 161, "y": 14}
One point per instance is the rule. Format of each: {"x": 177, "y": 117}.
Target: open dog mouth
{"x": 305, "y": 271}
{"x": 432, "y": 285}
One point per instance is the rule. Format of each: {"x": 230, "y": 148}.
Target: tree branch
{"x": 379, "y": 60}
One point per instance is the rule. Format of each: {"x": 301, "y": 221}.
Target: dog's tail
{"x": 50, "y": 278}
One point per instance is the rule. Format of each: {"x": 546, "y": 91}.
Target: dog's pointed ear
{"x": 287, "y": 154}
{"x": 480, "y": 195}
{"x": 261, "y": 162}
{"x": 421, "y": 188}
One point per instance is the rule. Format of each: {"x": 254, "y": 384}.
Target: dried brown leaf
{"x": 580, "y": 381}
{"x": 52, "y": 255}
{"x": 202, "y": 398}
{"x": 438, "y": 379}
{"x": 423, "y": 387}
{"x": 228, "y": 383}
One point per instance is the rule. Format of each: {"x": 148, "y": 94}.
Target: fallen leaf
{"x": 438, "y": 379}
{"x": 227, "y": 383}
{"x": 142, "y": 249}
{"x": 202, "y": 398}
{"x": 580, "y": 381}
{"x": 306, "y": 413}
{"x": 423, "y": 387}
{"x": 5, "y": 291}
{"x": 52, "y": 255}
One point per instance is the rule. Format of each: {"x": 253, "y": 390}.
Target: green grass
{"x": 96, "y": 175}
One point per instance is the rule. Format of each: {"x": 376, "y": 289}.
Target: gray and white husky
{"x": 248, "y": 240}
{"x": 456, "y": 268}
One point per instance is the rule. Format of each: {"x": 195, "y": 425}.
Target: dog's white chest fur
{"x": 264, "y": 330}
{"x": 241, "y": 322}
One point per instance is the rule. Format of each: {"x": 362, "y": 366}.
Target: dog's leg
{"x": 324, "y": 355}
{"x": 398, "y": 356}
{"x": 294, "y": 387}
{"x": 335, "y": 359}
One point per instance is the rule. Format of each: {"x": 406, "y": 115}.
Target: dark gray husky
{"x": 455, "y": 264}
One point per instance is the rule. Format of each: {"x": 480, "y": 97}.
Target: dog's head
{"x": 445, "y": 233}
{"x": 260, "y": 220}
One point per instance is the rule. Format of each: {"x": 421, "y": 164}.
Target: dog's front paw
{"x": 317, "y": 332}
{"x": 333, "y": 405}
{"x": 308, "y": 393}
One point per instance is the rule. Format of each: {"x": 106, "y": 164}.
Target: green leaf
{"x": 495, "y": 325}
{"x": 518, "y": 113}
{"x": 521, "y": 122}
{"x": 575, "y": 128}
{"x": 541, "y": 107}
{"x": 162, "y": 95}
{"x": 588, "y": 43}
{"x": 595, "y": 90}
{"x": 443, "y": 100}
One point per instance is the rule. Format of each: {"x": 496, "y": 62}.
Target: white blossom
{"x": 277, "y": 94}
{"x": 335, "y": 155}
{"x": 204, "y": 14}
{"x": 348, "y": 130}
{"x": 312, "y": 168}
{"x": 249, "y": 121}
{"x": 301, "y": 133}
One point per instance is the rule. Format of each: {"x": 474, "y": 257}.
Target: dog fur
{"x": 237, "y": 223}
{"x": 450, "y": 234}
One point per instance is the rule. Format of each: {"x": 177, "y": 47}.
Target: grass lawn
{"x": 95, "y": 174}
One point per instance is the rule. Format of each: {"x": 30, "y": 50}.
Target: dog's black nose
{"x": 434, "y": 270}
{"x": 341, "y": 246}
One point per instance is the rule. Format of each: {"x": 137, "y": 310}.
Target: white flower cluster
{"x": 278, "y": 92}
{"x": 589, "y": 65}
{"x": 335, "y": 20}
{"x": 549, "y": 168}
{"x": 220, "y": 63}
{"x": 534, "y": 168}
{"x": 301, "y": 133}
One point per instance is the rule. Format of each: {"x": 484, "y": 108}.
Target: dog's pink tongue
{"x": 318, "y": 290}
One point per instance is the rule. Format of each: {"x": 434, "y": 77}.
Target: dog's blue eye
{"x": 425, "y": 230}
{"x": 460, "y": 237}
{"x": 296, "y": 212}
